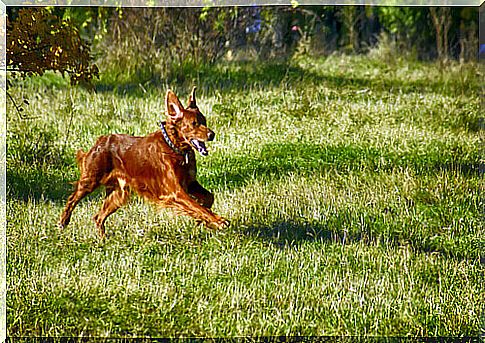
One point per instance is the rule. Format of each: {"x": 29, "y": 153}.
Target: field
{"x": 352, "y": 187}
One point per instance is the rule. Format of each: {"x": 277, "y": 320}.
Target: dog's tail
{"x": 80, "y": 159}
{"x": 80, "y": 155}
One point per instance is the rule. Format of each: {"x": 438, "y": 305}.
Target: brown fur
{"x": 150, "y": 167}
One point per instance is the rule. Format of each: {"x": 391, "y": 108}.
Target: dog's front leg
{"x": 183, "y": 203}
{"x": 201, "y": 195}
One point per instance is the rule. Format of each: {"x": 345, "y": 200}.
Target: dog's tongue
{"x": 200, "y": 146}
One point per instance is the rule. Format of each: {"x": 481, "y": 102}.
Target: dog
{"x": 160, "y": 167}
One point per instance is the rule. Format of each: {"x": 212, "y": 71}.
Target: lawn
{"x": 352, "y": 187}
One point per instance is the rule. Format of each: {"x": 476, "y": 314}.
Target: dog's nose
{"x": 211, "y": 135}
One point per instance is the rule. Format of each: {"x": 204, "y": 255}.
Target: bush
{"x": 152, "y": 44}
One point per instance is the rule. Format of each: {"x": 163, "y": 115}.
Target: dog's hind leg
{"x": 116, "y": 196}
{"x": 83, "y": 187}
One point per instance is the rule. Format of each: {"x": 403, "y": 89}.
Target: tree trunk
{"x": 441, "y": 18}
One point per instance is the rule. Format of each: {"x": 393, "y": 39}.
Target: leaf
{"x": 38, "y": 40}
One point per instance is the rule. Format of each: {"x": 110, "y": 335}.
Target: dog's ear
{"x": 191, "y": 102}
{"x": 173, "y": 107}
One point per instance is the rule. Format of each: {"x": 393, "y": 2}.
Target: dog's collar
{"x": 170, "y": 143}
{"x": 168, "y": 140}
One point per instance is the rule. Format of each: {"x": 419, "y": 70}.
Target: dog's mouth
{"x": 199, "y": 146}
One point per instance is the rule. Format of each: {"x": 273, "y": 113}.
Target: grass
{"x": 352, "y": 188}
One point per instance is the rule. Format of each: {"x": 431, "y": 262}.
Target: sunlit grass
{"x": 352, "y": 188}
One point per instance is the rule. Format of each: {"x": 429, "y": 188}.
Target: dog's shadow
{"x": 288, "y": 233}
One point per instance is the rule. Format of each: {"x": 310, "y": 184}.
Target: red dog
{"x": 160, "y": 167}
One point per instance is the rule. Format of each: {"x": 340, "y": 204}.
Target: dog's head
{"x": 189, "y": 122}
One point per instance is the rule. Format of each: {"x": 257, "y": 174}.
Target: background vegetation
{"x": 147, "y": 45}
{"x": 348, "y": 166}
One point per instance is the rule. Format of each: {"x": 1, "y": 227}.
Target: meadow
{"x": 352, "y": 187}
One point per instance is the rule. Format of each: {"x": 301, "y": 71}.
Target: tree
{"x": 38, "y": 40}
{"x": 442, "y": 21}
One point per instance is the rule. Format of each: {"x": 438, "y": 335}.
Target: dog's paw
{"x": 222, "y": 223}
{"x": 63, "y": 223}
{"x": 225, "y": 223}
{"x": 218, "y": 224}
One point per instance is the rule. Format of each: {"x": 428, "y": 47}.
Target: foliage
{"x": 146, "y": 45}
{"x": 38, "y": 40}
{"x": 154, "y": 43}
{"x": 409, "y": 28}
{"x": 157, "y": 45}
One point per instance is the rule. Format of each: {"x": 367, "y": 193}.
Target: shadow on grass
{"x": 241, "y": 76}
{"x": 346, "y": 229}
{"x": 276, "y": 160}
{"x": 221, "y": 78}
{"x": 288, "y": 233}
{"x": 53, "y": 182}
{"x": 39, "y": 185}
{"x": 35, "y": 184}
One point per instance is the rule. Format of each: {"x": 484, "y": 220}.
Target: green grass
{"x": 352, "y": 188}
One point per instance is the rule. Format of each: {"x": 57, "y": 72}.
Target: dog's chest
{"x": 187, "y": 167}
{"x": 191, "y": 165}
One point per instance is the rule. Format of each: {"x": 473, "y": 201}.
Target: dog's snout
{"x": 211, "y": 135}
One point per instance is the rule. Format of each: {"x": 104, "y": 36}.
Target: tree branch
{"x": 18, "y": 108}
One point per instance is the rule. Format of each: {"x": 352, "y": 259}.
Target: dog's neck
{"x": 179, "y": 144}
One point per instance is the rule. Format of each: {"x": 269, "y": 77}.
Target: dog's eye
{"x": 194, "y": 123}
